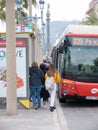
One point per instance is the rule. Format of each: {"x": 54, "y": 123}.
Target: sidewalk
{"x": 41, "y": 119}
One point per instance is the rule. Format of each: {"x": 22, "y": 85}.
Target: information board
{"x": 21, "y": 68}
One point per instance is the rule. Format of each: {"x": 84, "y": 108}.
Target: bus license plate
{"x": 91, "y": 98}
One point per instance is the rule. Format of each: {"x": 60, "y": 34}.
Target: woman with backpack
{"x": 52, "y": 78}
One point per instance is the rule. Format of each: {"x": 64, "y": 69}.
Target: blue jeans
{"x": 35, "y": 92}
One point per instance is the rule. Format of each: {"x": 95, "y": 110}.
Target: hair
{"x": 34, "y": 64}
{"x": 44, "y": 61}
{"x": 51, "y": 70}
{"x": 42, "y": 66}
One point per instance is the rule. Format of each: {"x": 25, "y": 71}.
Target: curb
{"x": 61, "y": 117}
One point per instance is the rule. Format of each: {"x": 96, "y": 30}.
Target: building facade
{"x": 93, "y": 8}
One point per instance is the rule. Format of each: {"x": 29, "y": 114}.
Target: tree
{"x": 11, "y": 58}
{"x": 2, "y": 10}
{"x": 91, "y": 19}
{"x": 25, "y": 3}
{"x": 23, "y": 10}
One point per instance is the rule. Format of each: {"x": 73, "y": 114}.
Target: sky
{"x": 65, "y": 9}
{"x": 62, "y": 10}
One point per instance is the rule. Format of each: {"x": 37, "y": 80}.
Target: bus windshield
{"x": 80, "y": 60}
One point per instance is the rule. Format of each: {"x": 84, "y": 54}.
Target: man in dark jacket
{"x": 44, "y": 93}
{"x": 35, "y": 81}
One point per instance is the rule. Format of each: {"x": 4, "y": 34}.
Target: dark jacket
{"x": 36, "y": 76}
{"x": 44, "y": 68}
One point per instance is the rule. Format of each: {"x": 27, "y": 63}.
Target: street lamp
{"x": 48, "y": 45}
{"x": 41, "y": 3}
{"x": 18, "y": 3}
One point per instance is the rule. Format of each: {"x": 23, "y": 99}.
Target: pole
{"x": 42, "y": 2}
{"x": 18, "y": 2}
{"x": 48, "y": 30}
{"x": 42, "y": 29}
{"x": 18, "y": 16}
{"x": 11, "y": 58}
{"x": 30, "y": 10}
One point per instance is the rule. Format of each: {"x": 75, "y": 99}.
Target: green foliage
{"x": 91, "y": 19}
{"x": 23, "y": 9}
{"x": 2, "y": 10}
{"x": 25, "y": 3}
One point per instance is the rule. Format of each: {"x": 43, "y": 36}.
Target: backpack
{"x": 49, "y": 83}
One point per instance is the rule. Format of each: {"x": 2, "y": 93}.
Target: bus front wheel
{"x": 62, "y": 99}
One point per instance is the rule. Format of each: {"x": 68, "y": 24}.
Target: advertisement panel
{"x": 21, "y": 68}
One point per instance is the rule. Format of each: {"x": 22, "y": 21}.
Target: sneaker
{"x": 51, "y": 109}
{"x": 39, "y": 106}
{"x": 30, "y": 99}
{"x": 54, "y": 107}
{"x": 36, "y": 107}
{"x": 44, "y": 106}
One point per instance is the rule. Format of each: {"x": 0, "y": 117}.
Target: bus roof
{"x": 81, "y": 29}
{"x": 77, "y": 30}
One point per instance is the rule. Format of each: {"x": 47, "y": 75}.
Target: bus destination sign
{"x": 86, "y": 41}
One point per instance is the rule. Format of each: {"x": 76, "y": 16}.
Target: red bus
{"x": 75, "y": 56}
